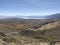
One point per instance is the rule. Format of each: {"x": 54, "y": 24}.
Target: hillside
{"x": 29, "y": 31}
{"x": 53, "y": 16}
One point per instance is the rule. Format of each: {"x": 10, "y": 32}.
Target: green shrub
{"x": 9, "y": 39}
{"x": 51, "y": 37}
{"x": 2, "y": 34}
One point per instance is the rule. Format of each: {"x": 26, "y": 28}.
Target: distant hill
{"x": 10, "y": 20}
{"x": 57, "y": 15}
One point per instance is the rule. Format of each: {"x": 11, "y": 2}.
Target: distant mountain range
{"x": 57, "y": 15}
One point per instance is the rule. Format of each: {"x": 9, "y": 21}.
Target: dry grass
{"x": 40, "y": 38}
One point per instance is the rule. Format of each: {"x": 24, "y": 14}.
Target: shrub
{"x": 2, "y": 34}
{"x": 9, "y": 39}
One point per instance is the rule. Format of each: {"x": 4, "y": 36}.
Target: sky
{"x": 29, "y": 7}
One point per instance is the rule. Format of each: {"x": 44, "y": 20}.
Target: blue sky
{"x": 29, "y": 7}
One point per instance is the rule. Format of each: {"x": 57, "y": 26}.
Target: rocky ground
{"x": 33, "y": 32}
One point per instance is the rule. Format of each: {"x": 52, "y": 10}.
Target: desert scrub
{"x": 41, "y": 38}
{"x": 51, "y": 37}
{"x": 9, "y": 39}
{"x": 2, "y": 34}
{"x": 6, "y": 38}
